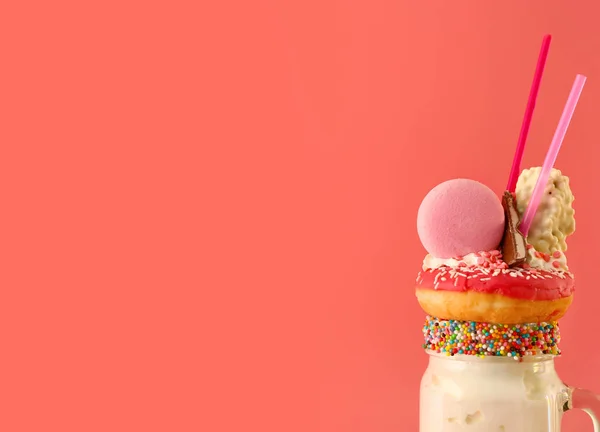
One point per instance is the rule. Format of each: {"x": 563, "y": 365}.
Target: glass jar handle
{"x": 584, "y": 400}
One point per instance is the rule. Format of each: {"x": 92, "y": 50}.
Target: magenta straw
{"x": 535, "y": 86}
{"x": 559, "y": 135}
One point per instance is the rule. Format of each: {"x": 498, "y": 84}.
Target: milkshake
{"x": 491, "y": 395}
{"x": 493, "y": 298}
{"x": 494, "y": 284}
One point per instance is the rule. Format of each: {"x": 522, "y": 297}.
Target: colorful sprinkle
{"x": 452, "y": 337}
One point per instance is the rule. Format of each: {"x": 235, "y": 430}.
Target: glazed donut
{"x": 507, "y": 296}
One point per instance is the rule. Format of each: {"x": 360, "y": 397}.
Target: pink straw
{"x": 559, "y": 135}
{"x": 535, "y": 86}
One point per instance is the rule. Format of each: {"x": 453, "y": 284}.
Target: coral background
{"x": 209, "y": 207}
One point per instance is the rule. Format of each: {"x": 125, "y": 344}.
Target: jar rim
{"x": 496, "y": 359}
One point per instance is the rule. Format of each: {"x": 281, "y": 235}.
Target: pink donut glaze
{"x": 458, "y": 217}
{"x": 544, "y": 286}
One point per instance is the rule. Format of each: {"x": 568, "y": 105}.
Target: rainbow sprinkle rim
{"x": 453, "y": 337}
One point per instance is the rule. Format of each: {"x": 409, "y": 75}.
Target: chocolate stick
{"x": 514, "y": 245}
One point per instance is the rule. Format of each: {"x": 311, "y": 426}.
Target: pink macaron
{"x": 458, "y": 217}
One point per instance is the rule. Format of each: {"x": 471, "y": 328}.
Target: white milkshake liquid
{"x": 492, "y": 394}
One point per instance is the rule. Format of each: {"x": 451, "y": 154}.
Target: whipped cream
{"x": 539, "y": 260}
{"x": 431, "y": 262}
{"x": 486, "y": 259}
{"x": 556, "y": 261}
